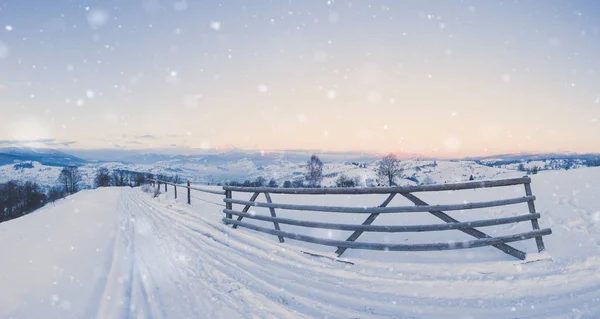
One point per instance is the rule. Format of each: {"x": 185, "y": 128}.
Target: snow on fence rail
{"x": 482, "y": 239}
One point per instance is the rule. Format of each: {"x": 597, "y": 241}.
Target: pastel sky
{"x": 439, "y": 78}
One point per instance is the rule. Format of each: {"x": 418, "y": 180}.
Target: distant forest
{"x": 19, "y": 198}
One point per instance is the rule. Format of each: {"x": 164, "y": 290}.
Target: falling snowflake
{"x": 215, "y": 25}
{"x": 9, "y": 28}
{"x": 97, "y": 18}
{"x": 263, "y": 88}
{"x": 331, "y": 94}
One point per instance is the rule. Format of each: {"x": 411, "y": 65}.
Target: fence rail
{"x": 482, "y": 239}
{"x": 384, "y": 210}
{"x": 188, "y": 187}
{"x": 397, "y": 247}
{"x": 384, "y": 190}
{"x": 386, "y": 228}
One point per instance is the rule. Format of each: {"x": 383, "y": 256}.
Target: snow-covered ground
{"x": 119, "y": 253}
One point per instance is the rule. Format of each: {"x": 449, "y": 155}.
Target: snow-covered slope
{"x": 119, "y": 253}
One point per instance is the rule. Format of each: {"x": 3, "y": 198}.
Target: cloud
{"x": 67, "y": 143}
{"x": 45, "y": 141}
{"x": 134, "y": 142}
{"x": 147, "y": 136}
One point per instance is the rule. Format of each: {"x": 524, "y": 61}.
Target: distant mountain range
{"x": 45, "y": 156}
{"x": 52, "y": 157}
{"x": 533, "y": 156}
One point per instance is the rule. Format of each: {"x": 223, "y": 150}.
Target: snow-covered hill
{"x": 239, "y": 166}
{"x": 414, "y": 171}
{"x": 120, "y": 253}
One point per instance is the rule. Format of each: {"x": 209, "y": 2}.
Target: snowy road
{"x": 119, "y": 253}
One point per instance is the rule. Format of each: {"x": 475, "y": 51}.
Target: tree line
{"x": 118, "y": 177}
{"x": 388, "y": 170}
{"x": 19, "y": 198}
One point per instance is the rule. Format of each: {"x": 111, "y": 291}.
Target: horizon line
{"x": 402, "y": 155}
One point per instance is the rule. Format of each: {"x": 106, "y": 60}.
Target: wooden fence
{"x": 189, "y": 188}
{"x": 481, "y": 238}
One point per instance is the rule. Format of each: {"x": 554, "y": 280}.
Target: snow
{"x": 119, "y": 252}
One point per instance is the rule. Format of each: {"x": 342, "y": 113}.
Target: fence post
{"x": 175, "y": 187}
{"x": 229, "y": 206}
{"x": 534, "y": 222}
{"x": 165, "y": 187}
{"x": 189, "y": 196}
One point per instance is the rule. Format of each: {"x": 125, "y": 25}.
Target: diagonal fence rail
{"x": 439, "y": 211}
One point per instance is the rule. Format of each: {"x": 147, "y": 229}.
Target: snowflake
{"x": 215, "y": 25}
{"x": 263, "y": 88}
{"x": 331, "y": 94}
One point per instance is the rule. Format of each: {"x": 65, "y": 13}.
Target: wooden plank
{"x": 382, "y": 210}
{"x": 397, "y": 247}
{"x": 276, "y": 224}
{"x": 470, "y": 231}
{"x": 247, "y": 207}
{"x": 534, "y": 222}
{"x": 368, "y": 221}
{"x": 384, "y": 190}
{"x": 388, "y": 228}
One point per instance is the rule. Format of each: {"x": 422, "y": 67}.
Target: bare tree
{"x": 314, "y": 171}
{"x": 389, "y": 169}
{"x": 120, "y": 178}
{"x": 102, "y": 178}
{"x": 70, "y": 178}
{"x": 64, "y": 178}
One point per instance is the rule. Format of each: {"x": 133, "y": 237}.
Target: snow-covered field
{"x": 414, "y": 171}
{"x": 119, "y": 253}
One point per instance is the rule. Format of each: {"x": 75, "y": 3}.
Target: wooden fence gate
{"x": 439, "y": 211}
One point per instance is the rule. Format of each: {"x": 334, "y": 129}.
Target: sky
{"x": 437, "y": 78}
